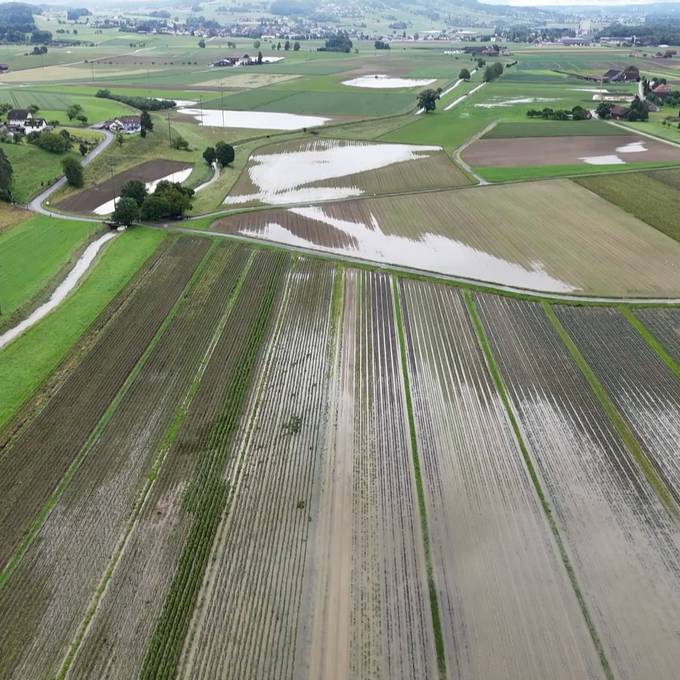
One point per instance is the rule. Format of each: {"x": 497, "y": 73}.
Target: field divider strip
{"x": 656, "y": 346}
{"x": 164, "y": 448}
{"x": 629, "y": 439}
{"x": 535, "y": 479}
{"x": 431, "y": 584}
{"x": 254, "y": 412}
{"x": 54, "y": 497}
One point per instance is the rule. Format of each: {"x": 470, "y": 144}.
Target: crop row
{"x": 625, "y": 547}
{"x": 498, "y": 570}
{"x": 641, "y": 386}
{"x": 34, "y": 463}
{"x": 252, "y": 592}
{"x": 90, "y": 518}
{"x": 207, "y": 433}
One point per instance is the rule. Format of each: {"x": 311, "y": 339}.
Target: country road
{"x": 36, "y": 205}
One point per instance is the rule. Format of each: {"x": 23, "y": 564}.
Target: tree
{"x": 126, "y": 212}
{"x": 134, "y": 189}
{"x": 278, "y": 46}
{"x": 604, "y": 110}
{"x": 492, "y": 72}
{"x": 73, "y": 171}
{"x": 286, "y": 47}
{"x": 480, "y": 63}
{"x": 209, "y": 155}
{"x": 145, "y": 121}
{"x": 257, "y": 44}
{"x": 34, "y": 108}
{"x": 201, "y": 43}
{"x": 6, "y": 177}
{"x": 381, "y": 45}
{"x": 74, "y": 111}
{"x": 259, "y": 57}
{"x": 464, "y": 74}
{"x": 224, "y": 153}
{"x": 120, "y": 138}
{"x": 82, "y": 147}
{"x": 81, "y": 118}
{"x": 296, "y": 46}
{"x": 427, "y": 100}
{"x": 154, "y": 208}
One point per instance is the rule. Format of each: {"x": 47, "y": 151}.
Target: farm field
{"x": 545, "y": 128}
{"x": 596, "y": 488}
{"x": 523, "y": 236}
{"x": 652, "y": 196}
{"x": 322, "y": 169}
{"x": 569, "y": 150}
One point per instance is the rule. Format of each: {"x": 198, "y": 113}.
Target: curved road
{"x": 36, "y": 205}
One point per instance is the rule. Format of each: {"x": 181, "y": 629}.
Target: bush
{"x": 54, "y": 142}
{"x": 126, "y": 212}
{"x": 135, "y": 190}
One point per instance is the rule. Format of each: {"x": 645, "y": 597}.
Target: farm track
{"x": 625, "y": 547}
{"x": 87, "y": 521}
{"x": 34, "y": 463}
{"x": 639, "y": 383}
{"x": 249, "y": 620}
{"x": 498, "y": 571}
{"x": 201, "y": 494}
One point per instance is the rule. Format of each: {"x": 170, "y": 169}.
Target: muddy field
{"x": 587, "y": 149}
{"x": 525, "y": 236}
{"x": 326, "y": 169}
{"x": 89, "y": 200}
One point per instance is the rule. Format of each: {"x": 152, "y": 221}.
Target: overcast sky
{"x": 572, "y": 3}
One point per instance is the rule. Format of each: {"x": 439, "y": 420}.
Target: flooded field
{"x": 524, "y": 236}
{"x": 254, "y": 120}
{"x": 573, "y": 150}
{"x": 382, "y": 81}
{"x": 325, "y": 169}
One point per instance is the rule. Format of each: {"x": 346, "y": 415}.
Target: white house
{"x": 24, "y": 121}
{"x": 129, "y": 124}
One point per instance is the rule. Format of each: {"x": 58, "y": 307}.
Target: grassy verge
{"x": 615, "y": 417}
{"x": 432, "y": 586}
{"x": 33, "y": 253}
{"x": 561, "y": 546}
{"x": 28, "y": 360}
{"x": 653, "y": 343}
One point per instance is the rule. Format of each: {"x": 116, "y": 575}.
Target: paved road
{"x": 36, "y": 205}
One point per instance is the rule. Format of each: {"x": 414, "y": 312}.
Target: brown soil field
{"x": 520, "y": 151}
{"x": 87, "y": 200}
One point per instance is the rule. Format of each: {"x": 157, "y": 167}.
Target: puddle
{"x": 62, "y": 290}
{"x": 513, "y": 102}
{"x": 431, "y": 252}
{"x": 284, "y": 178}
{"x": 611, "y": 159}
{"x": 380, "y": 81}
{"x": 179, "y": 176}
{"x": 254, "y": 120}
{"x": 633, "y": 147}
{"x": 588, "y": 89}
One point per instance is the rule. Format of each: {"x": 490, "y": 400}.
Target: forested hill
{"x": 16, "y": 20}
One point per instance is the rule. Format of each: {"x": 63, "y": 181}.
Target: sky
{"x": 572, "y": 3}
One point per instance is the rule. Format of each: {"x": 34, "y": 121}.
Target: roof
{"x": 618, "y": 110}
{"x": 613, "y": 72}
{"x": 661, "y": 89}
{"x": 128, "y": 120}
{"x": 18, "y": 114}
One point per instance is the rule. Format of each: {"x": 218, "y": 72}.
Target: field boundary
{"x": 56, "y": 494}
{"x": 629, "y": 439}
{"x": 656, "y": 346}
{"x": 420, "y": 489}
{"x": 535, "y": 479}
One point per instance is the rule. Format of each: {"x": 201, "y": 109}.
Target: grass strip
{"x": 561, "y": 546}
{"x": 653, "y": 343}
{"x": 206, "y": 499}
{"x": 164, "y": 448}
{"x": 620, "y": 425}
{"x": 432, "y": 586}
{"x": 54, "y": 497}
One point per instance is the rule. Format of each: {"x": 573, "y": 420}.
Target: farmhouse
{"x": 128, "y": 124}
{"x": 661, "y": 90}
{"x": 628, "y": 74}
{"x": 619, "y": 112}
{"x": 22, "y": 120}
